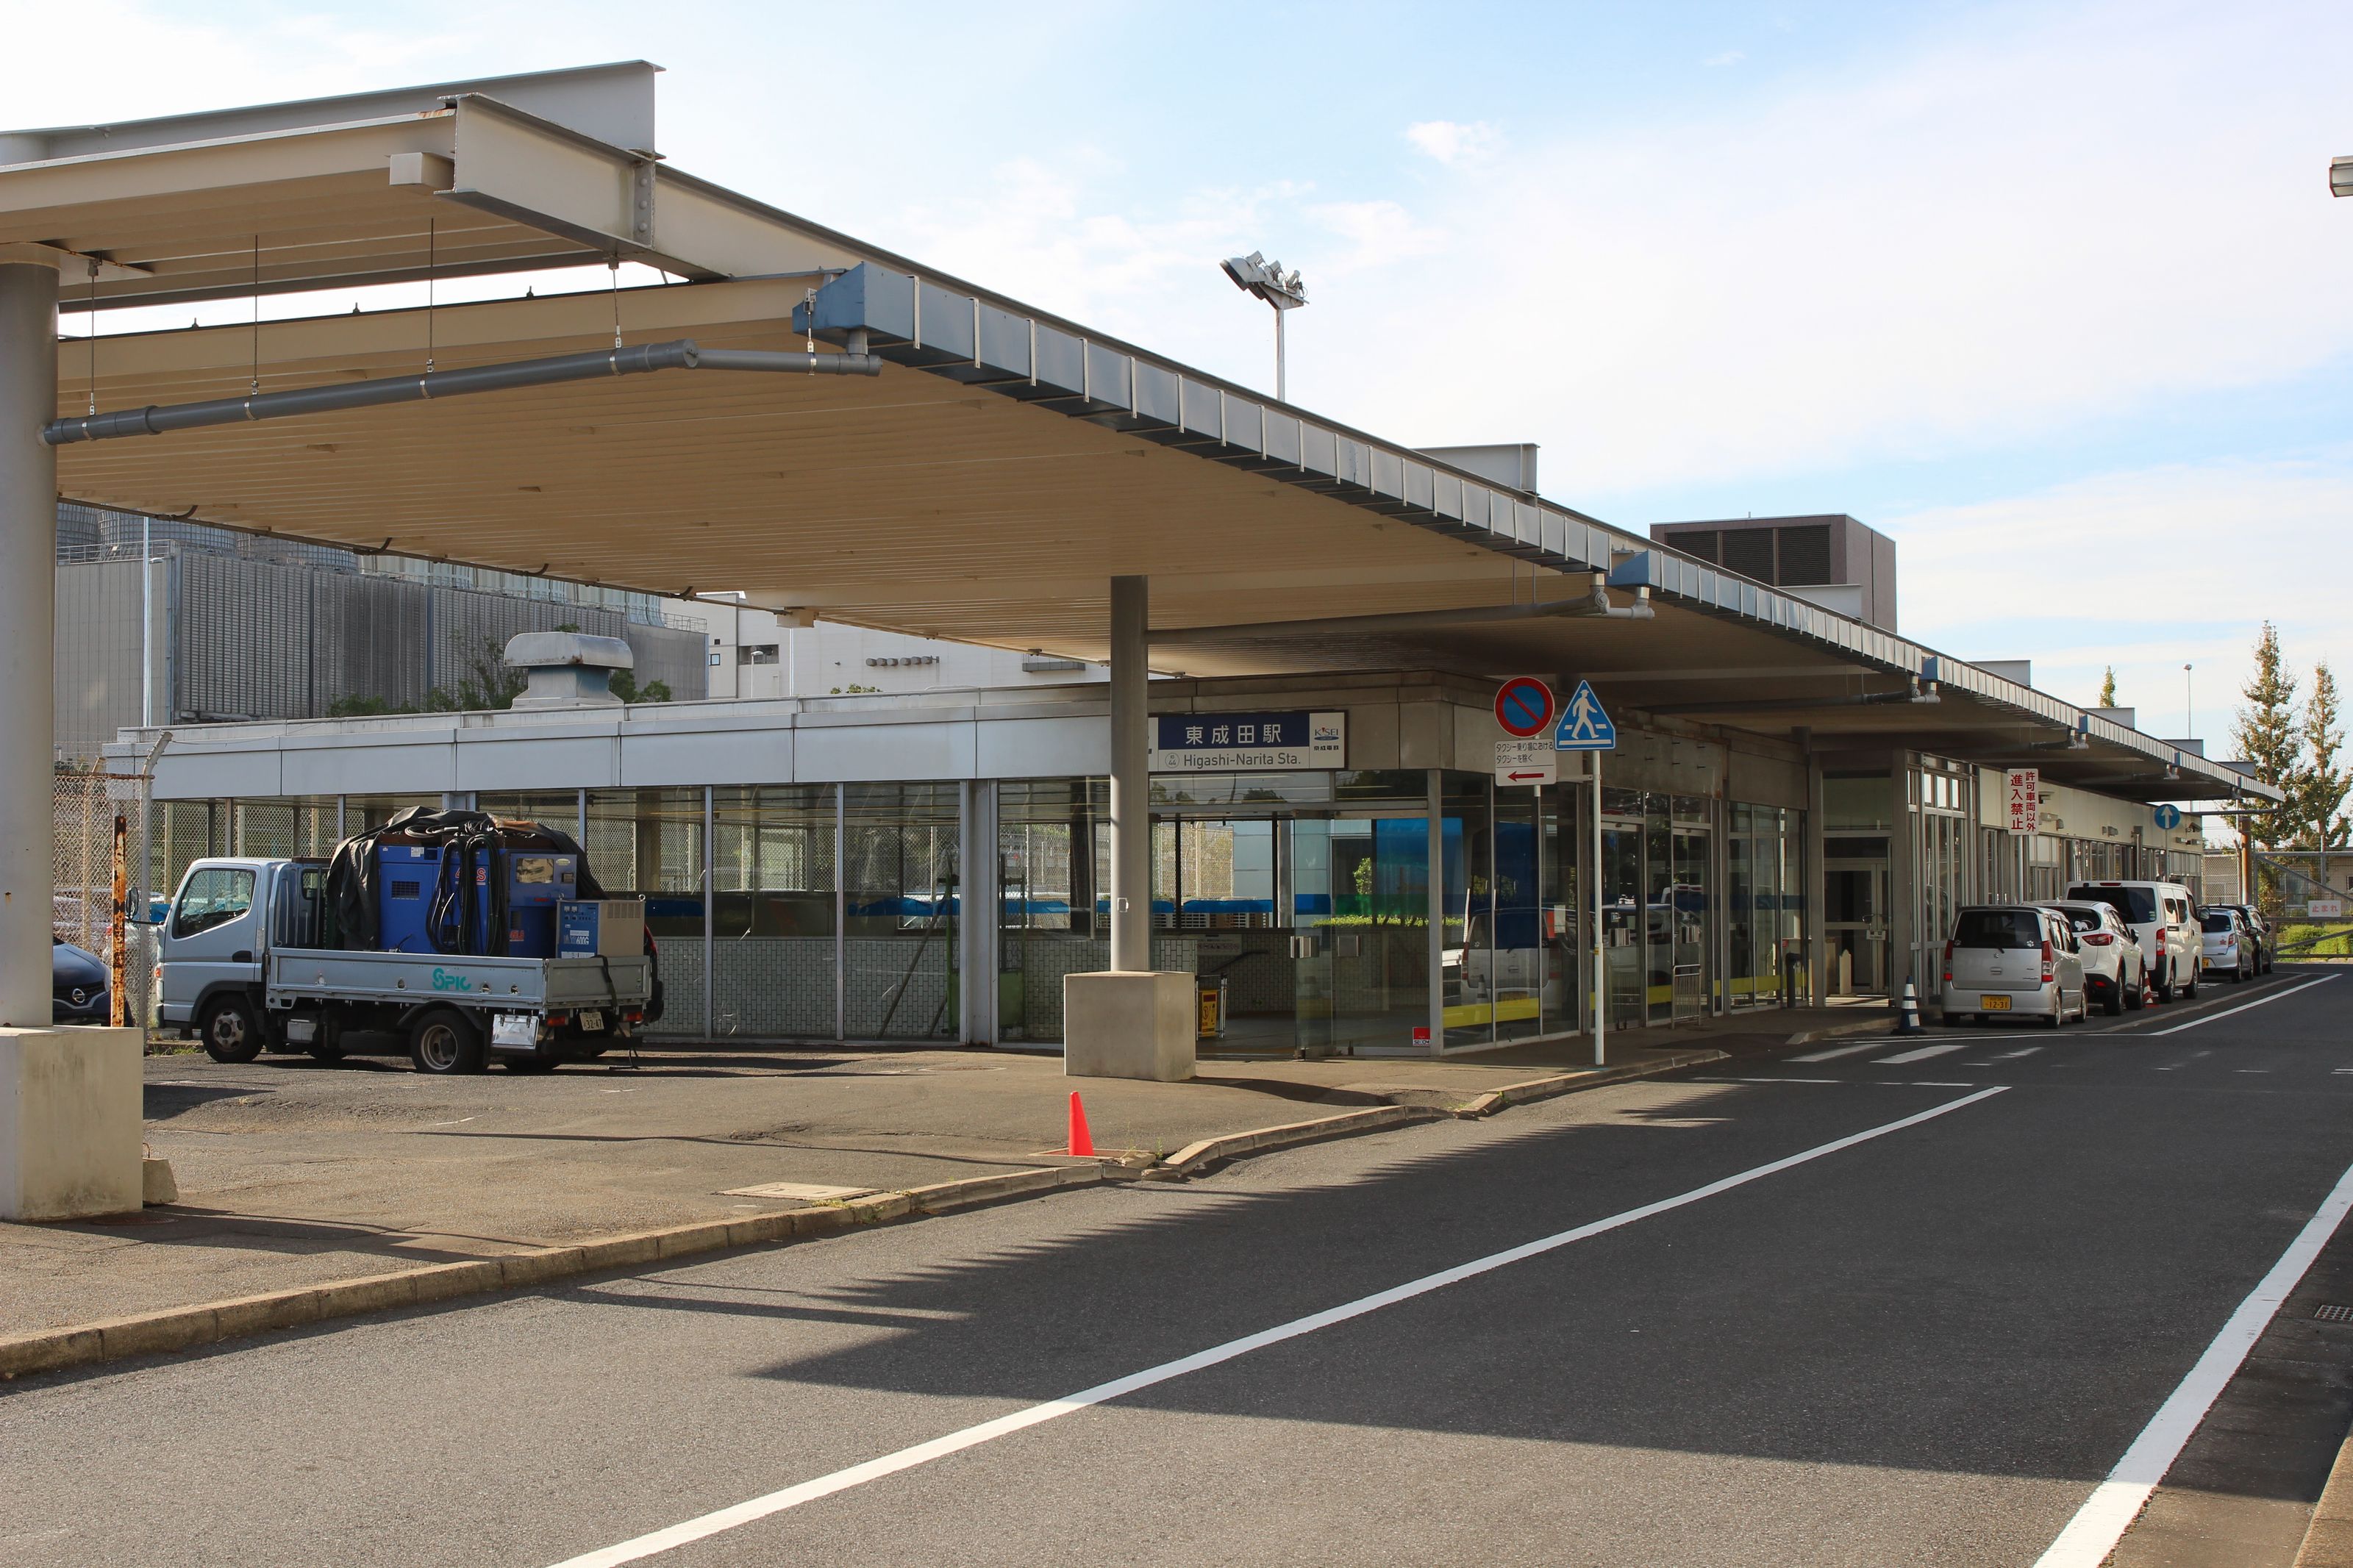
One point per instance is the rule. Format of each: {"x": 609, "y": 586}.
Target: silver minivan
{"x": 2013, "y": 960}
{"x": 2164, "y": 917}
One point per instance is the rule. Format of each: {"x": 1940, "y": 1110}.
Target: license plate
{"x": 592, "y": 1020}
{"x": 1993, "y": 1003}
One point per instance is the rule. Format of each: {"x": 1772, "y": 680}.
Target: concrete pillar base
{"x": 70, "y": 1119}
{"x": 1129, "y": 1022}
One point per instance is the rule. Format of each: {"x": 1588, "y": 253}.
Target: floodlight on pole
{"x": 1255, "y": 275}
{"x": 2340, "y": 176}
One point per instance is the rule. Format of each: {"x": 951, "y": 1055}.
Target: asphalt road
{"x": 1925, "y": 1346}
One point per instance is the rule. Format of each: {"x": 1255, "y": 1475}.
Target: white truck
{"x": 245, "y": 967}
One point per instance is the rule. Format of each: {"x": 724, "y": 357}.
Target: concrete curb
{"x": 1197, "y": 1157}
{"x": 1881, "y": 1025}
{"x": 184, "y": 1327}
{"x": 2328, "y": 1544}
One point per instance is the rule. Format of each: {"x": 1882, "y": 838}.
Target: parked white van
{"x": 2165, "y": 918}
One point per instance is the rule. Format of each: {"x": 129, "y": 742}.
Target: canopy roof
{"x": 984, "y": 486}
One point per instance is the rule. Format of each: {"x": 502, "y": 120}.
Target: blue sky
{"x": 2054, "y": 293}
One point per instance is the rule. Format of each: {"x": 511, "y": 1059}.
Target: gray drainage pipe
{"x": 637, "y": 359}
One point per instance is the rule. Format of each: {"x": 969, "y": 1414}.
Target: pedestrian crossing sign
{"x": 1583, "y": 726}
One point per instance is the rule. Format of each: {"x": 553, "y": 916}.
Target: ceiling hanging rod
{"x": 636, "y": 360}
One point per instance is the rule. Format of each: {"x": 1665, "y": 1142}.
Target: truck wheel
{"x": 229, "y": 1030}
{"x": 444, "y": 1041}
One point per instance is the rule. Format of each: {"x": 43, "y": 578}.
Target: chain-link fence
{"x": 2310, "y": 911}
{"x": 99, "y": 817}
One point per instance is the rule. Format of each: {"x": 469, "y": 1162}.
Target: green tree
{"x": 2270, "y": 738}
{"x": 2321, "y": 785}
{"x": 625, "y": 687}
{"x": 2108, "y": 687}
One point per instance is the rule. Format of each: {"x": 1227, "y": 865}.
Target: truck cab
{"x": 223, "y": 922}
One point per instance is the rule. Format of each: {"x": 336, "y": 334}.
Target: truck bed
{"x": 518, "y": 984}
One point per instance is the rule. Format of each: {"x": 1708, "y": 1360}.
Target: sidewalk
{"x": 293, "y": 1174}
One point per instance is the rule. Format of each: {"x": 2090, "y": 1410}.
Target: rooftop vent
{"x": 568, "y": 669}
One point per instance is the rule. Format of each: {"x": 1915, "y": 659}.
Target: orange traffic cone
{"x": 1083, "y": 1144}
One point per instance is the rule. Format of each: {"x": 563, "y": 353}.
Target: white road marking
{"x": 1922, "y": 1054}
{"x": 1876, "y": 1044}
{"x": 2115, "y": 1502}
{"x": 1933, "y": 1083}
{"x": 2243, "y": 1006}
{"x": 2006, "y": 1056}
{"x": 874, "y": 1469}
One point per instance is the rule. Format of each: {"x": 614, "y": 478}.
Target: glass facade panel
{"x": 362, "y": 812}
{"x": 647, "y": 844}
{"x": 559, "y": 809}
{"x": 773, "y": 906}
{"x": 900, "y": 895}
{"x": 1765, "y": 902}
{"x": 1051, "y": 923}
{"x": 1853, "y": 804}
{"x": 1470, "y": 977}
{"x": 1360, "y": 897}
{"x": 1621, "y": 903}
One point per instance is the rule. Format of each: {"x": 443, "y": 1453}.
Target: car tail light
{"x": 2047, "y": 964}
{"x": 1948, "y": 961}
{"x": 2099, "y": 938}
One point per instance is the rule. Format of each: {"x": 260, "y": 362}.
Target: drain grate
{"x": 2330, "y": 1312}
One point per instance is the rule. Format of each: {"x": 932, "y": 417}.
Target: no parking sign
{"x": 1524, "y": 706}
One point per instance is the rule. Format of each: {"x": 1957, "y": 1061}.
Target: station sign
{"x": 1527, "y": 761}
{"x": 2023, "y": 792}
{"x": 1524, "y": 706}
{"x": 1584, "y": 725}
{"x": 1248, "y": 742}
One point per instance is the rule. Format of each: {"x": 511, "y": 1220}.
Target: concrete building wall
{"x": 752, "y": 653}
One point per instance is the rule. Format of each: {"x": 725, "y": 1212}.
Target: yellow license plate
{"x": 1993, "y": 1003}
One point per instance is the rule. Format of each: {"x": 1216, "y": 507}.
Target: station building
{"x": 841, "y": 868}
{"x": 1798, "y": 799}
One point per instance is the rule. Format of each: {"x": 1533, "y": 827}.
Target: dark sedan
{"x": 77, "y": 984}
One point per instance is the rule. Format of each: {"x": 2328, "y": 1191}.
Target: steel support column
{"x": 1816, "y": 945}
{"x": 29, "y": 577}
{"x": 1131, "y": 778}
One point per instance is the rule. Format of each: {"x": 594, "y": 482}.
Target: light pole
{"x": 1254, "y": 274}
{"x": 2189, "y": 708}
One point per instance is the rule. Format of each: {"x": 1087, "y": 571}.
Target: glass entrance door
{"x": 1623, "y": 919}
{"x": 1855, "y": 924}
{"x": 1687, "y": 902}
{"x": 1359, "y": 932}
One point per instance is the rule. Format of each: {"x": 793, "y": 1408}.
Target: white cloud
{"x": 1980, "y": 244}
{"x": 1454, "y": 143}
{"x": 1728, "y": 57}
{"x": 2144, "y": 571}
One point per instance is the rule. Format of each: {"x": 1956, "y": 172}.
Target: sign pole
{"x": 1601, "y": 980}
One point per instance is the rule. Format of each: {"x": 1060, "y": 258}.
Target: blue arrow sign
{"x": 2169, "y": 818}
{"x": 1584, "y": 727}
